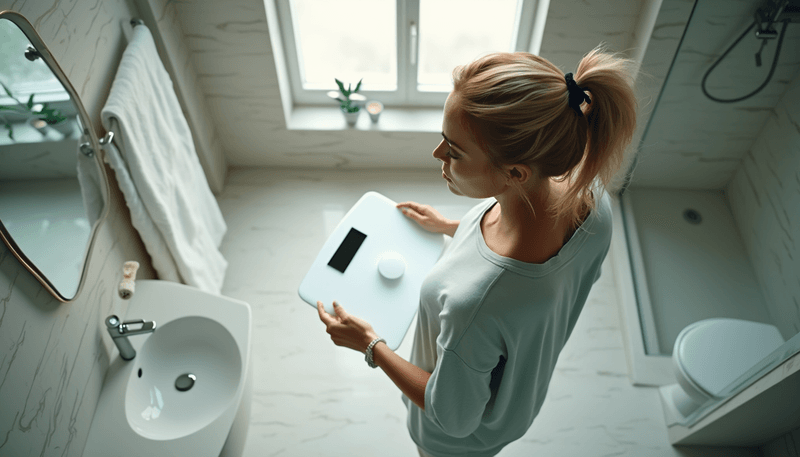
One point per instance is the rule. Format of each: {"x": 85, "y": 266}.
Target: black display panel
{"x": 344, "y": 254}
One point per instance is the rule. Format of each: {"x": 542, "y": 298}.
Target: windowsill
{"x": 421, "y": 120}
{"x": 24, "y": 133}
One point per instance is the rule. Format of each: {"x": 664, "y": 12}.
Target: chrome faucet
{"x": 120, "y": 332}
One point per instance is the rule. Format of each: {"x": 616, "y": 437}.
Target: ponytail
{"x": 518, "y": 105}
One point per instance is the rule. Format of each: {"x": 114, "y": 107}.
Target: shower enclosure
{"x": 710, "y": 213}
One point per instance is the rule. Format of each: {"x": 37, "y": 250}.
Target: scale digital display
{"x": 344, "y": 254}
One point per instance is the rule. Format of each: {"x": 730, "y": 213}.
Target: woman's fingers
{"x": 411, "y": 209}
{"x": 410, "y": 205}
{"x": 323, "y": 315}
{"x": 339, "y": 310}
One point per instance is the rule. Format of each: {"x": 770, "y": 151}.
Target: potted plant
{"x": 56, "y": 120}
{"x": 350, "y": 101}
{"x": 52, "y": 116}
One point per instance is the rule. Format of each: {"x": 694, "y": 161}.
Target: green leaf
{"x": 51, "y": 115}
{"x": 358, "y": 86}
{"x": 10, "y": 131}
{"x": 8, "y": 91}
{"x": 30, "y": 101}
{"x": 341, "y": 87}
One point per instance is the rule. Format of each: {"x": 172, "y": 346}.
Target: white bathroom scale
{"x": 373, "y": 264}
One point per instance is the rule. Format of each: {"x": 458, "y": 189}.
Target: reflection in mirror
{"x": 44, "y": 179}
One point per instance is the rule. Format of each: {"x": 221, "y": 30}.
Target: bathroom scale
{"x": 373, "y": 264}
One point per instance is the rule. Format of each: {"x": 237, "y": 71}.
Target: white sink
{"x": 194, "y": 345}
{"x": 141, "y": 411}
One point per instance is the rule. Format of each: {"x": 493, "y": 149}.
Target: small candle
{"x": 374, "y": 108}
{"x": 40, "y": 126}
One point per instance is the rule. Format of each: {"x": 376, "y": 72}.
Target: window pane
{"x": 21, "y": 76}
{"x": 348, "y": 40}
{"x": 455, "y": 32}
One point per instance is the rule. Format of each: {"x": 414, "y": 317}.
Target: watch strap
{"x": 368, "y": 353}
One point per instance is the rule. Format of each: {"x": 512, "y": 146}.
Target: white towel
{"x": 159, "y": 172}
{"x": 153, "y": 241}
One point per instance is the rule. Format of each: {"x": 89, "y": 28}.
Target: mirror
{"x": 53, "y": 187}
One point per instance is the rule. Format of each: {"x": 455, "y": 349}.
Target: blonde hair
{"x": 517, "y": 105}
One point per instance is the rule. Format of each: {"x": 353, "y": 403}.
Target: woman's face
{"x": 465, "y": 166}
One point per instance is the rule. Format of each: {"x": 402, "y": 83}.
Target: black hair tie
{"x": 576, "y": 94}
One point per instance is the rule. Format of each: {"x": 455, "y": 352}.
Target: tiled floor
{"x": 311, "y": 398}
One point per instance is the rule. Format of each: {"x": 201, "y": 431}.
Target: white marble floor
{"x": 311, "y": 398}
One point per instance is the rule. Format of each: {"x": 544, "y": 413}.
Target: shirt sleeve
{"x": 456, "y": 395}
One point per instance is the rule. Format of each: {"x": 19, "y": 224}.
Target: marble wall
{"x": 764, "y": 196}
{"x": 53, "y": 355}
{"x": 692, "y": 141}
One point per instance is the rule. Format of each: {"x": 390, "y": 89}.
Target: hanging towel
{"x": 153, "y": 241}
{"x": 159, "y": 173}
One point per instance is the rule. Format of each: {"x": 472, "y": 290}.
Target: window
{"x": 21, "y": 76}
{"x": 404, "y": 50}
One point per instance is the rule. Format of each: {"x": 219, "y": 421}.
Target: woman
{"x": 499, "y": 305}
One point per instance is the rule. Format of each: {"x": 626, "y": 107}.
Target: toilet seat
{"x": 712, "y": 353}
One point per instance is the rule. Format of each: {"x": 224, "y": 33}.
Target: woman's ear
{"x": 520, "y": 172}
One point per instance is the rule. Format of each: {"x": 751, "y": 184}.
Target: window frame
{"x": 407, "y": 94}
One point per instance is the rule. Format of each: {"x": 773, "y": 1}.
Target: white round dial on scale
{"x": 391, "y": 265}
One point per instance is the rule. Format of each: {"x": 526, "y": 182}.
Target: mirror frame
{"x": 93, "y": 141}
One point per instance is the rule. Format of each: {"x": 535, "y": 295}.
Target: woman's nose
{"x": 439, "y": 152}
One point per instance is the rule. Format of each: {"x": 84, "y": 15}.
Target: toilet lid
{"x": 714, "y": 352}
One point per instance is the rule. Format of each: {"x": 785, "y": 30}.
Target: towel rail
{"x": 88, "y": 151}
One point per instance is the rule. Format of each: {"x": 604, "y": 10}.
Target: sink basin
{"x": 149, "y": 405}
{"x": 195, "y": 345}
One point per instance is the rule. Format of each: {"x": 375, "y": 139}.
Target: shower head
{"x": 775, "y": 11}
{"x": 779, "y": 11}
{"x": 791, "y": 12}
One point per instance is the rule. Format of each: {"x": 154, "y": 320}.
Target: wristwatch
{"x": 368, "y": 354}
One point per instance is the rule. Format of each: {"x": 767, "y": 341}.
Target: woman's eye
{"x": 450, "y": 154}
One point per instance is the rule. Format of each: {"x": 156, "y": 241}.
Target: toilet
{"x": 710, "y": 354}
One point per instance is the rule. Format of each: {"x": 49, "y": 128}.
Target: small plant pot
{"x": 351, "y": 118}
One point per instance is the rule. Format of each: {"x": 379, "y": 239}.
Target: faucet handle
{"x": 112, "y": 321}
{"x": 114, "y": 326}
{"x": 118, "y": 328}
{"x": 126, "y": 287}
{"x": 147, "y": 326}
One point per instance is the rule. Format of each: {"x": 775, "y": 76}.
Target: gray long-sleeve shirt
{"x": 490, "y": 329}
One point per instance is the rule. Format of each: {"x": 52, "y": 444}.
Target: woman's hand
{"x": 346, "y": 330}
{"x": 428, "y": 218}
